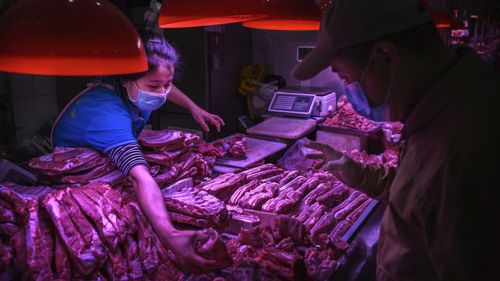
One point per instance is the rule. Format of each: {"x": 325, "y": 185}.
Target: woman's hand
{"x": 203, "y": 117}
{"x": 181, "y": 245}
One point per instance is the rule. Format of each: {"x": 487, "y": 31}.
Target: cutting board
{"x": 283, "y": 127}
{"x": 257, "y": 150}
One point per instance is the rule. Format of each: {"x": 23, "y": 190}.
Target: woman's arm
{"x": 201, "y": 116}
{"x": 179, "y": 242}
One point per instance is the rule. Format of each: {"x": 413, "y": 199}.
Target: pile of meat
{"x": 389, "y": 158}
{"x": 236, "y": 148}
{"x": 87, "y": 233}
{"x": 324, "y": 204}
{"x": 171, "y": 155}
{"x": 195, "y": 207}
{"x": 347, "y": 117}
{"x": 282, "y": 250}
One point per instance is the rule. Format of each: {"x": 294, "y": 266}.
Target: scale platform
{"x": 284, "y": 128}
{"x": 257, "y": 150}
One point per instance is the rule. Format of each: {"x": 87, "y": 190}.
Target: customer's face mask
{"x": 358, "y": 99}
{"x": 148, "y": 101}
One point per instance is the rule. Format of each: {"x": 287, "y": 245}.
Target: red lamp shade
{"x": 288, "y": 15}
{"x": 193, "y": 13}
{"x": 69, "y": 38}
{"x": 441, "y": 19}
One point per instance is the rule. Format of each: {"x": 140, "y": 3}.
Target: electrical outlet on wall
{"x": 302, "y": 52}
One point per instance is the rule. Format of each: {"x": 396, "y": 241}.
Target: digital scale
{"x": 296, "y": 112}
{"x": 303, "y": 102}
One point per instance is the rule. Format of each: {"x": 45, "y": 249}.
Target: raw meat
{"x": 39, "y": 244}
{"x": 93, "y": 208}
{"x": 349, "y": 208}
{"x": 334, "y": 196}
{"x": 146, "y": 241}
{"x": 197, "y": 204}
{"x": 131, "y": 254}
{"x": 238, "y": 146}
{"x": 96, "y": 172}
{"x": 347, "y": 117}
{"x": 172, "y": 140}
{"x": 352, "y": 217}
{"x": 47, "y": 165}
{"x": 208, "y": 244}
{"x": 62, "y": 263}
{"x": 81, "y": 239}
{"x": 240, "y": 192}
{"x": 223, "y": 190}
{"x": 116, "y": 266}
{"x": 113, "y": 178}
{"x": 255, "y": 198}
{"x": 340, "y": 230}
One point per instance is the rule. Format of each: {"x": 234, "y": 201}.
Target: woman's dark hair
{"x": 158, "y": 52}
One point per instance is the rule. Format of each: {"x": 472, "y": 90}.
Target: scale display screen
{"x": 292, "y": 103}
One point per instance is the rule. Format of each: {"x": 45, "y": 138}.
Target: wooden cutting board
{"x": 283, "y": 127}
{"x": 257, "y": 150}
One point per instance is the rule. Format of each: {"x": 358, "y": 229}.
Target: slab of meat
{"x": 166, "y": 269}
{"x": 293, "y": 184}
{"x": 160, "y": 159}
{"x": 196, "y": 203}
{"x": 334, "y": 196}
{"x": 340, "y": 230}
{"x": 166, "y": 175}
{"x": 324, "y": 225}
{"x": 241, "y": 191}
{"x": 307, "y": 211}
{"x": 223, "y": 190}
{"x": 116, "y": 207}
{"x": 12, "y": 200}
{"x": 81, "y": 239}
{"x": 265, "y": 174}
{"x": 62, "y": 262}
{"x": 116, "y": 266}
{"x": 350, "y": 207}
{"x": 113, "y": 178}
{"x": 146, "y": 241}
{"x": 352, "y": 217}
{"x": 18, "y": 245}
{"x": 315, "y": 216}
{"x": 7, "y": 216}
{"x": 47, "y": 165}
{"x": 208, "y": 244}
{"x": 238, "y": 146}
{"x": 289, "y": 177}
{"x": 277, "y": 178}
{"x": 259, "y": 169}
{"x": 5, "y": 256}
{"x": 258, "y": 196}
{"x": 172, "y": 140}
{"x": 347, "y": 117}
{"x": 94, "y": 209}
{"x": 8, "y": 229}
{"x": 189, "y": 220}
{"x": 133, "y": 259}
{"x": 96, "y": 172}
{"x": 322, "y": 188}
{"x": 39, "y": 244}
{"x": 272, "y": 204}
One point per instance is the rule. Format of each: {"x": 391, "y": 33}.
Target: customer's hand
{"x": 324, "y": 152}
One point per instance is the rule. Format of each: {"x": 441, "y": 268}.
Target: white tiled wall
{"x": 34, "y": 102}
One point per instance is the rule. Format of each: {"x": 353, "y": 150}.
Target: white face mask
{"x": 356, "y": 95}
{"x": 149, "y": 101}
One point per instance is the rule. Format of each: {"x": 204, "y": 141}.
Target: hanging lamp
{"x": 441, "y": 19}
{"x": 69, "y": 38}
{"x": 194, "y": 13}
{"x": 288, "y": 15}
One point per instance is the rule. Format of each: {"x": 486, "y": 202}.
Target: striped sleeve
{"x": 126, "y": 156}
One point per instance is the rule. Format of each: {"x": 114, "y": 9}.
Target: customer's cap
{"x": 350, "y": 22}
